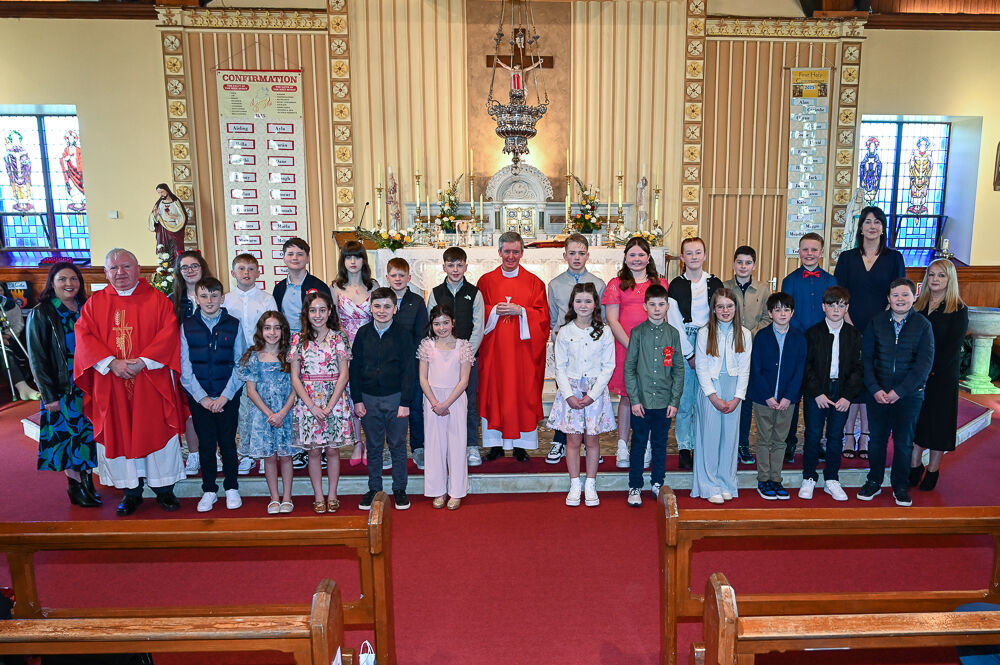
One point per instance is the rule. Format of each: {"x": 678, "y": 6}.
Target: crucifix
{"x": 519, "y": 67}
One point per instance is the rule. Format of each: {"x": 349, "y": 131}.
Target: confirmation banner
{"x": 263, "y": 160}
{"x": 808, "y": 151}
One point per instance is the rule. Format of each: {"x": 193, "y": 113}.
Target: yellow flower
{"x": 385, "y": 235}
{"x": 586, "y": 216}
{"x": 407, "y": 239}
{"x": 451, "y": 217}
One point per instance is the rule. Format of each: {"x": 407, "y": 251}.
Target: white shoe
{"x": 192, "y": 466}
{"x": 647, "y": 459}
{"x": 573, "y": 498}
{"x": 208, "y": 500}
{"x": 635, "y": 498}
{"x": 621, "y": 458}
{"x": 245, "y": 467}
{"x": 807, "y": 487}
{"x": 556, "y": 453}
{"x": 834, "y": 489}
{"x": 473, "y": 457}
{"x": 716, "y": 498}
{"x": 261, "y": 471}
{"x": 726, "y": 496}
{"x": 386, "y": 459}
{"x": 233, "y": 500}
{"x": 656, "y": 490}
{"x": 590, "y": 493}
{"x": 418, "y": 458}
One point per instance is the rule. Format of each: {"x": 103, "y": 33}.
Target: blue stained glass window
{"x": 902, "y": 169}
{"x": 42, "y": 201}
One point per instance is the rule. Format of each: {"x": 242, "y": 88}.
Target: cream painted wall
{"x": 942, "y": 73}
{"x": 111, "y": 71}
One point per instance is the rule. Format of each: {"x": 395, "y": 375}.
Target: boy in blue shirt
{"x": 776, "y": 363}
{"x": 211, "y": 347}
{"x": 806, "y": 285}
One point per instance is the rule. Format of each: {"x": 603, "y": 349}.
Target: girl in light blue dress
{"x": 265, "y": 423}
{"x": 722, "y": 363}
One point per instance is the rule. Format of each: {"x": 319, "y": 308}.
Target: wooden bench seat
{"x": 367, "y": 534}
{"x": 313, "y": 639}
{"x": 679, "y": 531}
{"x": 731, "y": 639}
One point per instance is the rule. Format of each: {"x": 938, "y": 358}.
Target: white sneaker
{"x": 834, "y": 489}
{"x": 233, "y": 500}
{"x": 261, "y": 471}
{"x": 656, "y": 490}
{"x": 192, "y": 466}
{"x": 590, "y": 493}
{"x": 208, "y": 500}
{"x": 621, "y": 459}
{"x": 418, "y": 458}
{"x": 473, "y": 457}
{"x": 556, "y": 453}
{"x": 727, "y": 496}
{"x": 807, "y": 487}
{"x": 245, "y": 467}
{"x": 634, "y": 498}
{"x": 573, "y": 498}
{"x": 386, "y": 459}
{"x": 647, "y": 459}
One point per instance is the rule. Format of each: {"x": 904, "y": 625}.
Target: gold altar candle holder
{"x": 568, "y": 225}
{"x": 378, "y": 207}
{"x": 621, "y": 216}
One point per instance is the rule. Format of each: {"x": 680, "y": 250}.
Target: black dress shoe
{"x": 746, "y": 457}
{"x": 168, "y": 501}
{"x": 687, "y": 460}
{"x": 789, "y": 454}
{"x": 494, "y": 453}
{"x": 87, "y": 482}
{"x": 129, "y": 504}
{"x": 521, "y": 455}
{"x": 78, "y": 495}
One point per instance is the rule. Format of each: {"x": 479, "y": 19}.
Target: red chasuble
{"x": 512, "y": 370}
{"x": 136, "y": 417}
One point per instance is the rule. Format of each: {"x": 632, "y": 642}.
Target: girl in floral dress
{"x": 265, "y": 423}
{"x": 319, "y": 359}
{"x": 585, "y": 361}
{"x": 352, "y": 292}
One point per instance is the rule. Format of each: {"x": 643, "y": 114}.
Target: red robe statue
{"x": 512, "y": 359}
{"x": 136, "y": 417}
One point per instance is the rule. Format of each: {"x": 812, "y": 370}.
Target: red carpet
{"x": 512, "y": 578}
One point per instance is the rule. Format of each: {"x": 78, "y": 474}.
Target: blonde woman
{"x": 941, "y": 304}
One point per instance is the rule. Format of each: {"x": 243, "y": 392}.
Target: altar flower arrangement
{"x": 449, "y": 205}
{"x": 654, "y": 238}
{"x": 386, "y": 239}
{"x": 587, "y": 220}
{"x": 163, "y": 276}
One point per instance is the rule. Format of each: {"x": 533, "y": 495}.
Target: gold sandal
{"x": 438, "y": 502}
{"x": 319, "y": 507}
{"x": 332, "y": 505}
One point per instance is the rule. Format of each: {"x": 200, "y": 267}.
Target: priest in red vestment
{"x": 512, "y": 355}
{"x": 128, "y": 365}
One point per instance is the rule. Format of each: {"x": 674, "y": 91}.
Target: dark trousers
{"x": 653, "y": 427}
{"x": 137, "y": 490}
{"x": 793, "y": 437}
{"x": 816, "y": 420}
{"x": 217, "y": 430}
{"x": 383, "y": 427}
{"x": 746, "y": 411}
{"x": 558, "y": 436}
{"x": 900, "y": 420}
{"x": 417, "y": 416}
{"x": 472, "y": 411}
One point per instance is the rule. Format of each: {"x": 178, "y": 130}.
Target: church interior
{"x": 416, "y": 125}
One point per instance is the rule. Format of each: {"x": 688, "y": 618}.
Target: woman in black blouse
{"x": 940, "y": 302}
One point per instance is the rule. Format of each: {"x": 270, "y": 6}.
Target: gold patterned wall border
{"x": 175, "y": 88}
{"x": 783, "y": 28}
{"x": 693, "y": 94}
{"x": 340, "y": 99}
{"x": 241, "y": 19}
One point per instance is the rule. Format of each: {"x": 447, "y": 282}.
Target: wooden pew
{"x": 314, "y": 638}
{"x": 734, "y": 640}
{"x": 368, "y": 535}
{"x": 679, "y": 532}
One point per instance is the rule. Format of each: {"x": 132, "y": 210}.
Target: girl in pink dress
{"x": 623, "y": 307}
{"x": 445, "y": 363}
{"x": 352, "y": 293}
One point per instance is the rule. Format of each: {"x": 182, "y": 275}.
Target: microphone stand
{"x": 6, "y": 328}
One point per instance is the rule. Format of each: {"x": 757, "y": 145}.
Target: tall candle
{"x": 621, "y": 192}
{"x": 656, "y": 210}
{"x": 620, "y": 162}
{"x": 567, "y": 162}
{"x": 472, "y": 180}
{"x": 416, "y": 161}
{"x": 482, "y": 210}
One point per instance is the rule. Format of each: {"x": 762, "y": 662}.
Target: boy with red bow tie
{"x": 654, "y": 380}
{"x": 806, "y": 285}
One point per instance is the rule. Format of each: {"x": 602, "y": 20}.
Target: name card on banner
{"x": 260, "y": 114}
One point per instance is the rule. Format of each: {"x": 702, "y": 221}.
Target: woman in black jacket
{"x": 66, "y": 437}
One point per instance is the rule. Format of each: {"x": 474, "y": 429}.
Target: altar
{"x": 426, "y": 270}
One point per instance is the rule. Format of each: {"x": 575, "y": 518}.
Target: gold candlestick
{"x": 378, "y": 207}
{"x": 416, "y": 177}
{"x": 568, "y": 225}
{"x": 621, "y": 212}
{"x": 656, "y": 209}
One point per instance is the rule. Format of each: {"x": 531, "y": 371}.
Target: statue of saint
{"x": 167, "y": 220}
{"x": 642, "y": 213}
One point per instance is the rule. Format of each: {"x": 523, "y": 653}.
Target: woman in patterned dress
{"x": 66, "y": 437}
{"x": 352, "y": 292}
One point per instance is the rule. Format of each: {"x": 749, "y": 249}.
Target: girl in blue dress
{"x": 265, "y": 423}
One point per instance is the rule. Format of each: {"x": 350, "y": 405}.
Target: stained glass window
{"x": 43, "y": 208}
{"x": 902, "y": 169}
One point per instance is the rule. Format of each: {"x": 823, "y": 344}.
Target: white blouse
{"x": 709, "y": 367}
{"x": 579, "y": 355}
